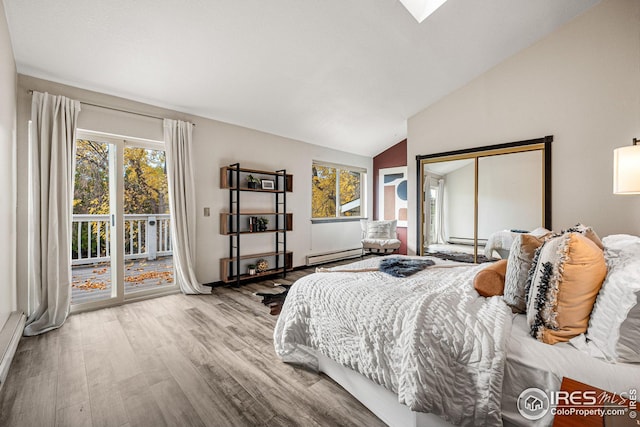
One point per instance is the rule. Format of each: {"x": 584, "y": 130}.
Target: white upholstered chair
{"x": 379, "y": 237}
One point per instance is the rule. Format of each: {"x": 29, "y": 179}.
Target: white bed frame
{"x": 382, "y": 402}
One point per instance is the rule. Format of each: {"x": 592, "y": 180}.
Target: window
{"x": 337, "y": 191}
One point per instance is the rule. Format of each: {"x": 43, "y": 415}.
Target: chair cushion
{"x": 380, "y": 243}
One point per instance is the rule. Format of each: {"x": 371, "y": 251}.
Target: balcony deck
{"x": 93, "y": 282}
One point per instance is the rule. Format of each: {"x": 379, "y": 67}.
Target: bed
{"x": 427, "y": 350}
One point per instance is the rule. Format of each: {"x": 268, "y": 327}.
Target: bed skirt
{"x": 382, "y": 402}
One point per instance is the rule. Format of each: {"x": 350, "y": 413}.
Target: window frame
{"x": 363, "y": 192}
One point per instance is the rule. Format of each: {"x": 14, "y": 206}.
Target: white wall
{"x": 458, "y": 202}
{"x": 216, "y": 144}
{"x": 7, "y": 170}
{"x": 509, "y": 195}
{"x": 510, "y": 192}
{"x": 580, "y": 84}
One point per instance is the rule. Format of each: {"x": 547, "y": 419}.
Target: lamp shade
{"x": 626, "y": 170}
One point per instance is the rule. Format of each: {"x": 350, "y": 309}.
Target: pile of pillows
{"x": 573, "y": 286}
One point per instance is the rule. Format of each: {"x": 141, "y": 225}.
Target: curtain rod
{"x": 118, "y": 109}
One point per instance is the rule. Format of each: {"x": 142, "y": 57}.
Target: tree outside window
{"x": 336, "y": 191}
{"x": 145, "y": 180}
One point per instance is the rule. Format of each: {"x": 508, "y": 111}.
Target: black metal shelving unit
{"x": 232, "y": 178}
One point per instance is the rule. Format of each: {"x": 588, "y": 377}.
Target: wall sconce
{"x": 626, "y": 169}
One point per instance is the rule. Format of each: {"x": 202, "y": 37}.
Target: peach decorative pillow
{"x": 521, "y": 256}
{"x": 563, "y": 284}
{"x": 489, "y": 281}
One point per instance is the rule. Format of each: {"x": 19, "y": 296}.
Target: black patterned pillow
{"x": 567, "y": 273}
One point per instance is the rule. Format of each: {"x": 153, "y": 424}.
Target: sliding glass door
{"x": 147, "y": 244}
{"x": 121, "y": 246}
{"x": 91, "y": 239}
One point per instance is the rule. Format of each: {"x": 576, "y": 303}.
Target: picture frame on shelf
{"x": 268, "y": 184}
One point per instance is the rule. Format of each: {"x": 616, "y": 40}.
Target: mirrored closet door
{"x": 473, "y": 201}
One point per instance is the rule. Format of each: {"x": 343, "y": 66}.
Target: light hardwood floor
{"x": 171, "y": 361}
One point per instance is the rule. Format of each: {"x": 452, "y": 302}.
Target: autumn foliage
{"x": 145, "y": 190}
{"x": 329, "y": 198}
{"x": 145, "y": 180}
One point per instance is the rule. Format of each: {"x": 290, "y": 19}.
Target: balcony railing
{"x": 145, "y": 236}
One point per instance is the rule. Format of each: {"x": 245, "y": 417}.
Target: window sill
{"x": 330, "y": 220}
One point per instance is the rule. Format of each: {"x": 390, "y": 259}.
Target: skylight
{"x": 420, "y": 9}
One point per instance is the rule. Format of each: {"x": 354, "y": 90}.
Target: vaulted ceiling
{"x": 345, "y": 74}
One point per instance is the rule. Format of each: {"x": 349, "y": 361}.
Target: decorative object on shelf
{"x": 251, "y": 268}
{"x": 252, "y": 182}
{"x": 262, "y": 265}
{"x": 268, "y": 184}
{"x": 262, "y": 223}
{"x": 253, "y": 223}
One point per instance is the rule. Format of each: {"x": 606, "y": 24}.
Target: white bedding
{"x": 429, "y": 338}
{"x": 531, "y": 363}
{"x": 355, "y": 332}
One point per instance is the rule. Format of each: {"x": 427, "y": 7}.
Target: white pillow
{"x": 379, "y": 229}
{"x": 614, "y": 326}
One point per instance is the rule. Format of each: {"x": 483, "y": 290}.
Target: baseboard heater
{"x": 321, "y": 258}
{"x": 465, "y": 241}
{"x": 9, "y": 338}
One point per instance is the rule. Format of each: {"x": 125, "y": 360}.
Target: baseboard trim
{"x": 9, "y": 339}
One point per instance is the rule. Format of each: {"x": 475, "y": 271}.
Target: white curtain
{"x": 426, "y": 226}
{"x": 441, "y": 236}
{"x": 182, "y": 198}
{"x": 51, "y": 168}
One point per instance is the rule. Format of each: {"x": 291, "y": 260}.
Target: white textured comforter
{"x": 429, "y": 338}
